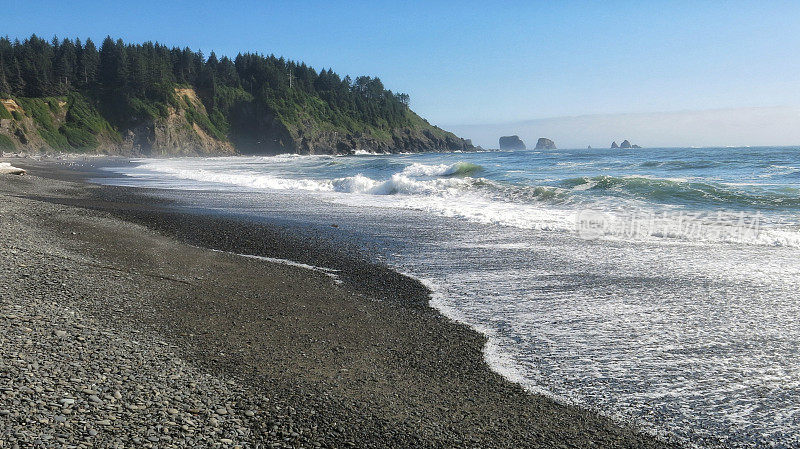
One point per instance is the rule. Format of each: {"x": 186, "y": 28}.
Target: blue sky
{"x": 476, "y": 63}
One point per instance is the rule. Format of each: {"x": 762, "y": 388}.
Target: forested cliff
{"x": 148, "y": 99}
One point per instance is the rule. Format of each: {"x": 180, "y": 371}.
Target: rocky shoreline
{"x": 120, "y": 329}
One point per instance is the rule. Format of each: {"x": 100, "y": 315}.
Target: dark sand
{"x": 364, "y": 364}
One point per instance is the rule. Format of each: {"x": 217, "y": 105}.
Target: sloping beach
{"x": 121, "y": 327}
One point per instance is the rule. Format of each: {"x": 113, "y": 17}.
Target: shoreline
{"x": 367, "y": 363}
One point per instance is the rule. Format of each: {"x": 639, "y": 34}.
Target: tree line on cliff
{"x": 128, "y": 81}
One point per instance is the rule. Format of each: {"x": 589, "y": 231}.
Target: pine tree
{"x": 5, "y": 87}
{"x": 65, "y": 67}
{"x": 113, "y": 69}
{"x": 16, "y": 80}
{"x": 88, "y": 63}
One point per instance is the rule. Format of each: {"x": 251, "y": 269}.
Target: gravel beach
{"x": 127, "y": 323}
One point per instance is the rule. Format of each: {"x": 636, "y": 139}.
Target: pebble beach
{"x": 125, "y": 323}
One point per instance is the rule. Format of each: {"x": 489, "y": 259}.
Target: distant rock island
{"x": 624, "y": 145}
{"x": 545, "y": 144}
{"x": 512, "y": 143}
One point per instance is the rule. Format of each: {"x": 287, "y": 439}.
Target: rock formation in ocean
{"x": 511, "y": 143}
{"x": 614, "y": 144}
{"x": 545, "y": 144}
{"x": 625, "y": 144}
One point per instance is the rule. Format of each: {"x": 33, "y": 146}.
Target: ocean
{"x": 657, "y": 286}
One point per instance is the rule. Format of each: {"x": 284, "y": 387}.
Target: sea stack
{"x": 625, "y": 144}
{"x": 545, "y": 144}
{"x": 511, "y": 143}
{"x": 614, "y": 144}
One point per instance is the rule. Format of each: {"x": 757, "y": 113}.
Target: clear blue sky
{"x": 467, "y": 62}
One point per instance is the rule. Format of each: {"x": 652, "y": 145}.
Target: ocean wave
{"x": 775, "y": 170}
{"x": 457, "y": 169}
{"x": 680, "y": 165}
{"x": 399, "y": 183}
{"x": 682, "y": 191}
{"x": 446, "y": 190}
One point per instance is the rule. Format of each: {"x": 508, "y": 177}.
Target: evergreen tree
{"x": 65, "y": 67}
{"x": 113, "y": 69}
{"x": 143, "y": 76}
{"x": 88, "y": 62}
{"x": 16, "y": 80}
{"x": 5, "y": 87}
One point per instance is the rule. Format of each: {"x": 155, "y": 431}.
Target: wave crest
{"x": 685, "y": 191}
{"x": 457, "y": 169}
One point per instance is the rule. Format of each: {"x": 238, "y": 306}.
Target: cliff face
{"x": 70, "y": 124}
{"x": 400, "y": 140}
{"x": 150, "y": 99}
{"x": 183, "y": 127}
{"x": 178, "y": 133}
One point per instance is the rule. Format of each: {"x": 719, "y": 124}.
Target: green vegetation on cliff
{"x": 4, "y": 112}
{"x": 79, "y": 97}
{"x": 6, "y": 144}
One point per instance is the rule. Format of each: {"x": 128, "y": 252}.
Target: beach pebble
{"x": 121, "y": 387}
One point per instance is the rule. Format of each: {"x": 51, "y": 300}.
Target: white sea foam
{"x": 779, "y": 170}
{"x": 398, "y": 184}
{"x": 495, "y": 357}
{"x": 330, "y": 272}
{"x": 417, "y": 169}
{"x": 687, "y": 333}
{"x": 432, "y": 188}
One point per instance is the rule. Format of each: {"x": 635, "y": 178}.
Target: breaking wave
{"x": 679, "y": 191}
{"x": 455, "y": 190}
{"x": 457, "y": 169}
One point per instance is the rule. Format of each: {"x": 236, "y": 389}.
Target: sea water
{"x": 656, "y": 286}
